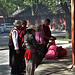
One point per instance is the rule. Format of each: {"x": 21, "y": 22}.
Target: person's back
{"x": 31, "y": 54}
{"x": 39, "y": 34}
{"x": 39, "y": 37}
{"x": 29, "y": 41}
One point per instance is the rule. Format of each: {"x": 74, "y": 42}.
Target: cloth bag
{"x": 52, "y": 52}
{"x": 62, "y": 51}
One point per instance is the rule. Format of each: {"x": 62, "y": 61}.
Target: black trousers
{"x": 15, "y": 61}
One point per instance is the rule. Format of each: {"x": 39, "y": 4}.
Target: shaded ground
{"x": 45, "y": 66}
{"x": 56, "y": 65}
{"x": 4, "y": 62}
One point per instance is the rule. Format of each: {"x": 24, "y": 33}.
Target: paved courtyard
{"x": 45, "y": 66}
{"x": 55, "y": 67}
{"x": 4, "y": 62}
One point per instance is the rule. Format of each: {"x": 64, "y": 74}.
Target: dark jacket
{"x": 14, "y": 58}
{"x": 30, "y": 42}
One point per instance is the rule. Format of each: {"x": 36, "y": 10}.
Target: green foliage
{"x": 28, "y": 2}
{"x": 6, "y": 7}
{"x": 51, "y": 4}
{"x": 9, "y": 6}
{"x": 63, "y": 39}
{"x": 63, "y": 1}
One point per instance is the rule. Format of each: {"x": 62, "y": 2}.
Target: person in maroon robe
{"x": 21, "y": 33}
{"x": 47, "y": 34}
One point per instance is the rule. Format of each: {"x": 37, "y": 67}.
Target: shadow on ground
{"x": 4, "y": 70}
{"x": 55, "y": 65}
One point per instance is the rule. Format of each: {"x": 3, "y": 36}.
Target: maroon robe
{"x": 22, "y": 32}
{"x": 47, "y": 33}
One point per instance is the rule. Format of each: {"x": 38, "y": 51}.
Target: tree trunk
{"x": 68, "y": 19}
{"x": 33, "y": 20}
{"x": 3, "y": 18}
{"x": 34, "y": 13}
{"x": 32, "y": 17}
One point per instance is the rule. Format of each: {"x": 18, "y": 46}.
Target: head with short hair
{"x": 39, "y": 28}
{"x": 24, "y": 23}
{"x": 47, "y": 22}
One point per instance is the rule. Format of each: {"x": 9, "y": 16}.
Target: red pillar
{"x": 73, "y": 31}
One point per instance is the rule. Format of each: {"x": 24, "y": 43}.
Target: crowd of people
{"x": 28, "y": 46}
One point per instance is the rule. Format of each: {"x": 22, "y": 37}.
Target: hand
{"x": 53, "y": 38}
{"x": 17, "y": 51}
{"x": 23, "y": 45}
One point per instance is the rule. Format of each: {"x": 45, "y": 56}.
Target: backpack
{"x": 52, "y": 52}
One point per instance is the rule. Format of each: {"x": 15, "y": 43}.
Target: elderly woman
{"x": 32, "y": 47}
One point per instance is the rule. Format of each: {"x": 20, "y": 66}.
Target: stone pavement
{"x": 54, "y": 67}
{"x": 61, "y": 66}
{"x": 58, "y": 66}
{"x": 4, "y": 62}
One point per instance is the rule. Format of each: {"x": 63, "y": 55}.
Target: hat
{"x": 17, "y": 23}
{"x": 31, "y": 27}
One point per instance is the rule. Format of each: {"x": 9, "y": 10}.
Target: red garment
{"x": 28, "y": 53}
{"x": 47, "y": 33}
{"x": 22, "y": 32}
{"x": 62, "y": 51}
{"x": 52, "y": 43}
